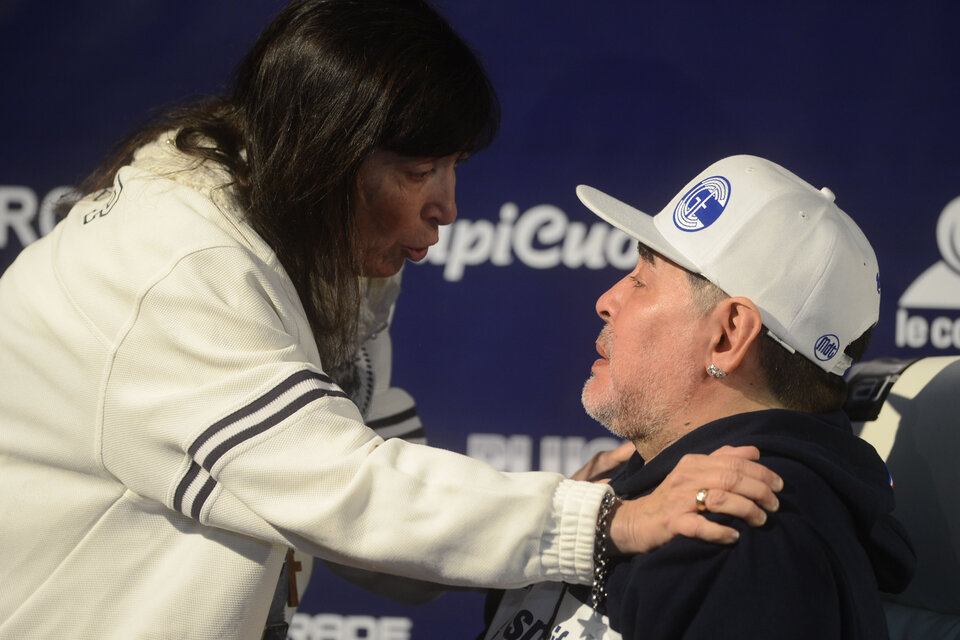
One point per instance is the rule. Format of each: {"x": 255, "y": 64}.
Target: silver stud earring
{"x": 716, "y": 371}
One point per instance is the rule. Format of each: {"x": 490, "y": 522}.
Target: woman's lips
{"x": 416, "y": 254}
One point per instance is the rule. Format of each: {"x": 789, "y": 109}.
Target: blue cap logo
{"x": 702, "y": 205}
{"x": 827, "y": 346}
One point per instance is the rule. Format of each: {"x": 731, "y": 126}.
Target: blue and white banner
{"x": 494, "y": 332}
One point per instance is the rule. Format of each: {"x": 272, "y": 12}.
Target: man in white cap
{"x": 752, "y": 296}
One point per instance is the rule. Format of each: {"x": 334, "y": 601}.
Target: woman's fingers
{"x": 601, "y": 464}
{"x": 735, "y": 485}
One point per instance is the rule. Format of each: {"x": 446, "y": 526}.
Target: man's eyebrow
{"x": 646, "y": 253}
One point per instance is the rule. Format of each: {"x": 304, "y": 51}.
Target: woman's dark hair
{"x": 326, "y": 83}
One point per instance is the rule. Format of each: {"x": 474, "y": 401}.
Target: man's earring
{"x": 716, "y": 371}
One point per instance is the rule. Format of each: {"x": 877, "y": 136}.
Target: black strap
{"x": 276, "y": 626}
{"x": 869, "y": 384}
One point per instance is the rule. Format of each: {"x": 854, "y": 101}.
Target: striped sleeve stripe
{"x": 193, "y": 491}
{"x": 184, "y": 485}
{"x": 270, "y": 409}
{"x": 266, "y": 411}
{"x": 405, "y": 424}
{"x": 202, "y": 494}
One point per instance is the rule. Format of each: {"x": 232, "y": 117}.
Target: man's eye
{"x": 636, "y": 281}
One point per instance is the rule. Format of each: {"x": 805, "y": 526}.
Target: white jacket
{"x": 167, "y": 433}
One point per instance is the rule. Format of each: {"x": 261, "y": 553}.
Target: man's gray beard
{"x": 629, "y": 415}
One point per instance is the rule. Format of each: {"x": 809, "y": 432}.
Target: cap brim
{"x": 633, "y": 222}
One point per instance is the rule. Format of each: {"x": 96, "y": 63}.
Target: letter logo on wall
{"x": 929, "y": 310}
{"x": 25, "y": 215}
{"x": 542, "y": 237}
{"x": 331, "y": 626}
{"x": 515, "y": 452}
{"x": 702, "y": 205}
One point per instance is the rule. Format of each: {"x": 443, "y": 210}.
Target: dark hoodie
{"x": 814, "y": 570}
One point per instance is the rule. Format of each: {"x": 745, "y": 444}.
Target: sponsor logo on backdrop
{"x": 542, "y": 237}
{"x": 329, "y": 626}
{"x": 24, "y": 215}
{"x": 928, "y": 313}
{"x": 560, "y": 454}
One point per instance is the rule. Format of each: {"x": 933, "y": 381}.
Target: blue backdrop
{"x": 494, "y": 332}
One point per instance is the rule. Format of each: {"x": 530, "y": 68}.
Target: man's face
{"x": 400, "y": 204}
{"x": 651, "y": 350}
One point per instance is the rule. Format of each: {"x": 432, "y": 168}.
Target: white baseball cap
{"x": 758, "y": 231}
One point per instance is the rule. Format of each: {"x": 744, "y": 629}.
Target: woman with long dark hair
{"x": 195, "y": 356}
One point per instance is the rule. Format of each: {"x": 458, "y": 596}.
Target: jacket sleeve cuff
{"x": 569, "y": 542}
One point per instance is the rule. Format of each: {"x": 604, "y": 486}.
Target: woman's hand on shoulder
{"x": 734, "y": 484}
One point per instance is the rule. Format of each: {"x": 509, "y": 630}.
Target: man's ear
{"x": 736, "y": 323}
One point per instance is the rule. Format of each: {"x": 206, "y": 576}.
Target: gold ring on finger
{"x": 702, "y": 500}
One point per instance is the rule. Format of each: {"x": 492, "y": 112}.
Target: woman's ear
{"x": 736, "y": 323}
